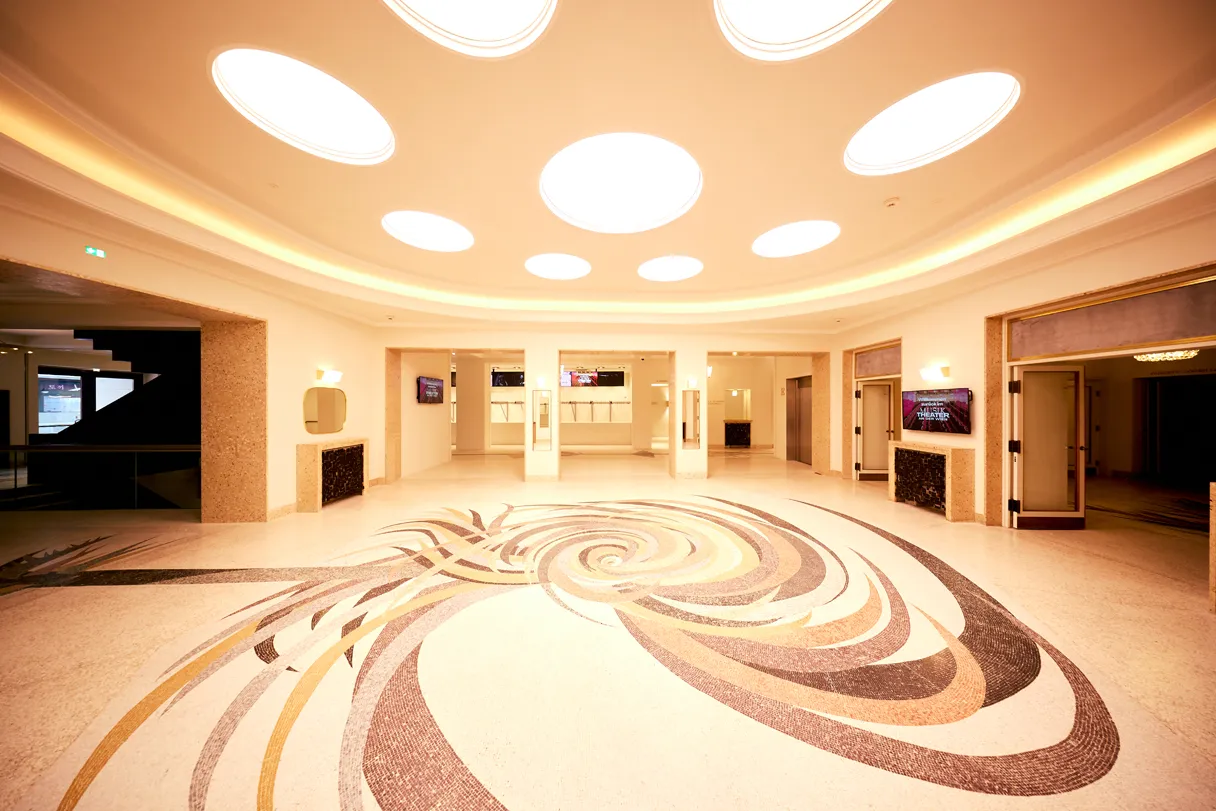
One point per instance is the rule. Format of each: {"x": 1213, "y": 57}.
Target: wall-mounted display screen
{"x": 583, "y": 377}
{"x": 945, "y": 411}
{"x": 506, "y": 380}
{"x": 430, "y": 390}
{"x": 579, "y": 378}
{"x": 616, "y": 378}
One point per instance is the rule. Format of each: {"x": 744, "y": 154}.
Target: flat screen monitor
{"x": 579, "y": 378}
{"x": 506, "y": 380}
{"x": 616, "y": 378}
{"x": 945, "y": 411}
{"x": 430, "y": 390}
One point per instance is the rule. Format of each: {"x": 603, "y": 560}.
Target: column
{"x": 472, "y": 405}
{"x": 689, "y": 365}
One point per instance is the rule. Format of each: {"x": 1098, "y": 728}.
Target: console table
{"x": 329, "y": 471}
{"x": 935, "y": 476}
{"x": 738, "y": 433}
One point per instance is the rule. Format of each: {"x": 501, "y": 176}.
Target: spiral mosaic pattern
{"x": 804, "y": 634}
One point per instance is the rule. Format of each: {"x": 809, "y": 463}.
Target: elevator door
{"x": 1049, "y": 465}
{"x": 798, "y": 419}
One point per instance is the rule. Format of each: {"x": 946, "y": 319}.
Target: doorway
{"x": 798, "y": 425}
{"x": 876, "y": 426}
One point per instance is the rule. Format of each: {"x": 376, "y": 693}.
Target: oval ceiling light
{"x": 620, "y": 183}
{"x": 795, "y": 238}
{"x": 484, "y": 28}
{"x": 427, "y": 231}
{"x": 303, "y": 106}
{"x": 932, "y": 123}
{"x": 779, "y": 30}
{"x": 558, "y": 266}
{"x": 670, "y": 268}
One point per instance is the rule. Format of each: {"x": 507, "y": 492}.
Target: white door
{"x": 1048, "y": 456}
{"x": 874, "y": 418}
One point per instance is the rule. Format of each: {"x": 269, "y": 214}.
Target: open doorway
{"x": 486, "y": 407}
{"x": 740, "y": 419}
{"x": 613, "y": 409}
{"x": 1127, "y": 437}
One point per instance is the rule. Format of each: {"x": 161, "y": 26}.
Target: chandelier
{"x": 1156, "y": 357}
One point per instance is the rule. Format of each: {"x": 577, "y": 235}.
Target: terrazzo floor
{"x": 768, "y": 638}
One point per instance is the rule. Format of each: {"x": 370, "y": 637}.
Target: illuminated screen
{"x": 946, "y": 411}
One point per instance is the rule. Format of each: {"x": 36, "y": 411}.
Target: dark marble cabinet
{"x": 920, "y": 478}
{"x": 738, "y": 434}
{"x": 341, "y": 473}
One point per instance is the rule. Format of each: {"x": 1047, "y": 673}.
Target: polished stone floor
{"x": 768, "y": 638}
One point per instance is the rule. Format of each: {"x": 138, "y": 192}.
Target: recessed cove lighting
{"x": 303, "y": 106}
{"x": 795, "y": 238}
{"x": 932, "y": 123}
{"x": 427, "y": 231}
{"x": 670, "y": 268}
{"x": 485, "y": 28}
{"x": 779, "y": 30}
{"x": 620, "y": 183}
{"x": 558, "y": 266}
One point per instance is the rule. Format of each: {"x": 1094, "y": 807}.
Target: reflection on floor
{"x": 765, "y": 639}
{"x": 1145, "y": 501}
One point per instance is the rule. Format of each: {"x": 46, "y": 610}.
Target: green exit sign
{"x": 91, "y": 251}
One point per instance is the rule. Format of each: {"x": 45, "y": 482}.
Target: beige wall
{"x": 753, "y": 373}
{"x": 952, "y": 332}
{"x": 425, "y": 429}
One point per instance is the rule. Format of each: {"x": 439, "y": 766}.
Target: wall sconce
{"x": 935, "y": 374}
{"x": 734, "y": 392}
{"x": 540, "y": 382}
{"x": 692, "y": 382}
{"x": 709, "y": 371}
{"x": 330, "y": 377}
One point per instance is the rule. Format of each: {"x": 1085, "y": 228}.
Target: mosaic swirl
{"x": 804, "y": 634}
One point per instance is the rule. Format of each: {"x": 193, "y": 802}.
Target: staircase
{"x": 164, "y": 411}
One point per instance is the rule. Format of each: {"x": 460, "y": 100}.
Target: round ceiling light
{"x": 620, "y": 183}
{"x": 932, "y": 123}
{"x": 484, "y": 28}
{"x": 427, "y": 231}
{"x": 670, "y": 268}
{"x": 558, "y": 266}
{"x": 779, "y": 30}
{"x": 795, "y": 238}
{"x": 303, "y": 106}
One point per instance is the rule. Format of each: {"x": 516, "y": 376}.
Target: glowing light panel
{"x": 795, "y": 238}
{"x": 558, "y": 266}
{"x": 483, "y": 28}
{"x": 932, "y": 123}
{"x": 427, "y": 231}
{"x": 620, "y": 183}
{"x": 779, "y": 30}
{"x": 303, "y": 106}
{"x": 670, "y": 268}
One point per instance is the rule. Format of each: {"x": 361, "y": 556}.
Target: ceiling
{"x": 473, "y": 135}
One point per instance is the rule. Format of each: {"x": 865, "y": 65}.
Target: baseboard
{"x": 376, "y": 482}
{"x": 873, "y": 477}
{"x": 279, "y": 512}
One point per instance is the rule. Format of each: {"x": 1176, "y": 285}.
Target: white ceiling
{"x": 473, "y": 135}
